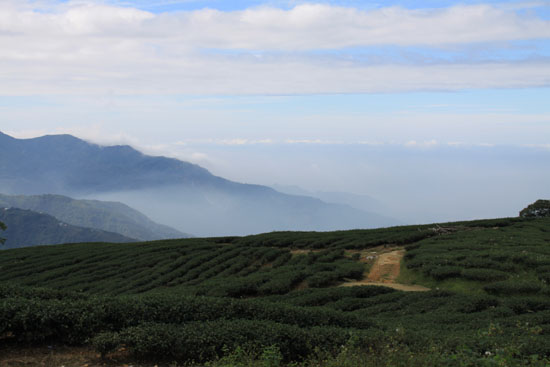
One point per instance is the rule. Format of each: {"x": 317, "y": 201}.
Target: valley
{"x": 182, "y": 195}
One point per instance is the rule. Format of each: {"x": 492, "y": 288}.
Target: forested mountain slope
{"x": 103, "y": 215}
{"x": 27, "y": 228}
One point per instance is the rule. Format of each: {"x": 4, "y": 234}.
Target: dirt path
{"x": 387, "y": 266}
{"x": 385, "y": 271}
{"x": 56, "y": 356}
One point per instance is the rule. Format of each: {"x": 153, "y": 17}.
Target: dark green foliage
{"x": 444, "y": 272}
{"x": 194, "y": 266}
{"x": 511, "y": 287}
{"x": 37, "y": 315}
{"x": 488, "y": 223}
{"x": 388, "y": 354}
{"x": 3, "y": 228}
{"x": 106, "y": 342}
{"x": 540, "y": 208}
{"x": 330, "y": 276}
{"x": 483, "y": 274}
{"x": 529, "y": 304}
{"x": 354, "y": 239}
{"x": 321, "y": 297}
{"x": 478, "y": 303}
{"x": 197, "y": 299}
{"x": 486, "y": 254}
{"x": 203, "y": 341}
{"x": 13, "y": 291}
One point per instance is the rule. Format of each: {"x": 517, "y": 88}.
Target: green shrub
{"x": 203, "y": 341}
{"x": 540, "y": 208}
{"x": 512, "y": 287}
{"x": 529, "y": 304}
{"x": 74, "y": 321}
{"x": 445, "y": 272}
{"x": 483, "y": 274}
{"x": 478, "y": 303}
{"x": 106, "y": 342}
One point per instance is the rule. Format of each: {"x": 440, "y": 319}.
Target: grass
{"x": 409, "y": 276}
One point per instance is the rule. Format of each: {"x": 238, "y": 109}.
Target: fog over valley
{"x": 396, "y": 184}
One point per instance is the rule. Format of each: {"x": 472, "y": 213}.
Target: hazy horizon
{"x": 437, "y": 110}
{"x": 413, "y": 184}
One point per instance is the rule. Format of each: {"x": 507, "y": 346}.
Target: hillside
{"x": 63, "y": 163}
{"x": 180, "y": 194}
{"x": 203, "y": 298}
{"x": 27, "y": 228}
{"x": 106, "y": 216}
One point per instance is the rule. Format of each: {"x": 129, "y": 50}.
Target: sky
{"x": 439, "y": 109}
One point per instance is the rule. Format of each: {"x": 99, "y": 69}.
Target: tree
{"x": 540, "y": 208}
{"x": 3, "y": 228}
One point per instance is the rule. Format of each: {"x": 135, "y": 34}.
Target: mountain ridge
{"x": 177, "y": 193}
{"x": 27, "y": 228}
{"x": 107, "y": 216}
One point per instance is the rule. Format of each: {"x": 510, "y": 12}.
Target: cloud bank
{"x": 94, "y": 48}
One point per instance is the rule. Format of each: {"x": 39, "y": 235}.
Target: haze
{"x": 435, "y": 110}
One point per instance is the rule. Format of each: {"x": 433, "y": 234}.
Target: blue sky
{"x": 183, "y": 5}
{"x": 449, "y": 90}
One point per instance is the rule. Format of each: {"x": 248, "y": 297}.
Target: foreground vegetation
{"x": 272, "y": 299}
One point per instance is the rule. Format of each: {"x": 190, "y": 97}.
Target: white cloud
{"x": 230, "y": 77}
{"x": 224, "y": 142}
{"x": 233, "y": 141}
{"x": 90, "y": 48}
{"x": 538, "y": 146}
{"x": 197, "y": 156}
{"x": 313, "y": 141}
{"x": 422, "y": 144}
{"x": 371, "y": 143}
{"x": 306, "y": 26}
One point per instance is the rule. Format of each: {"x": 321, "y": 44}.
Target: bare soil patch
{"x": 57, "y": 356}
{"x": 384, "y": 270}
{"x": 47, "y": 356}
{"x": 387, "y": 266}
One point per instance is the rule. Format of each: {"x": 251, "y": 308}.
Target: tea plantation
{"x": 273, "y": 299}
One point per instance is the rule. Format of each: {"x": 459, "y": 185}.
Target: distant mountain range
{"x": 63, "y": 163}
{"x": 170, "y": 191}
{"x": 106, "y": 216}
{"x": 361, "y": 202}
{"x": 27, "y": 228}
